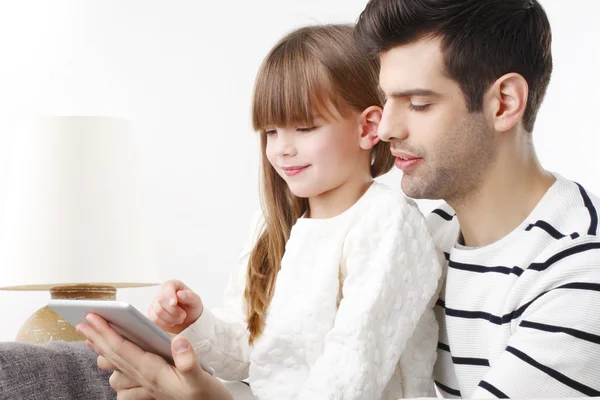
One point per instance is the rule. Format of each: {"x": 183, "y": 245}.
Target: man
{"x": 519, "y": 312}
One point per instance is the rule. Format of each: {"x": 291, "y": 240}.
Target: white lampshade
{"x": 74, "y": 214}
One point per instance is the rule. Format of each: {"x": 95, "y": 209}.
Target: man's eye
{"x": 420, "y": 107}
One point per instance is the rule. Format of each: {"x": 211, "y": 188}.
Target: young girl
{"x": 331, "y": 300}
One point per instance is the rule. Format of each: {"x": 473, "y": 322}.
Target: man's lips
{"x": 405, "y": 161}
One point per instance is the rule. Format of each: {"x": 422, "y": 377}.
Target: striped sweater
{"x": 521, "y": 317}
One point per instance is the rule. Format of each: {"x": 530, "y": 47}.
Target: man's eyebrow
{"x": 415, "y": 92}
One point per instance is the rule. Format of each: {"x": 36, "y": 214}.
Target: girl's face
{"x": 318, "y": 158}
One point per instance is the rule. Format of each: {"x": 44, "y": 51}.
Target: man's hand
{"x": 141, "y": 375}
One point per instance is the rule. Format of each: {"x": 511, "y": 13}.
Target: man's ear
{"x": 506, "y": 100}
{"x": 369, "y": 123}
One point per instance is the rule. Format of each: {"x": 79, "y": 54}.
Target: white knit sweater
{"x": 351, "y": 316}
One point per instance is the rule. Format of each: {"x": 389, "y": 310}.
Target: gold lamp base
{"x": 45, "y": 325}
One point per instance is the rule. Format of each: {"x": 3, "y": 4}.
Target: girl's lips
{"x": 293, "y": 171}
{"x": 406, "y": 163}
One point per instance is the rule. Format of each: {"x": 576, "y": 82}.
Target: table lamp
{"x": 74, "y": 222}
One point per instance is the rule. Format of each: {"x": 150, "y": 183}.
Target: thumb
{"x": 188, "y": 297}
{"x": 185, "y": 357}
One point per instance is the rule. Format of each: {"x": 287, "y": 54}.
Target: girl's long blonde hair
{"x": 311, "y": 69}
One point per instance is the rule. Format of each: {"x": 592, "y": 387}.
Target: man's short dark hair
{"x": 481, "y": 40}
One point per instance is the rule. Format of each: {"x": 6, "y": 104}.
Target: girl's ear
{"x": 369, "y": 123}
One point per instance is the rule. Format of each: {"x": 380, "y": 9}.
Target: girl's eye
{"x": 419, "y": 107}
{"x": 270, "y": 132}
{"x": 307, "y": 129}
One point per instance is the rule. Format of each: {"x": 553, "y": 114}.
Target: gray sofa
{"x": 54, "y": 371}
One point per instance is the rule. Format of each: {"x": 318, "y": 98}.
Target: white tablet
{"x": 125, "y": 319}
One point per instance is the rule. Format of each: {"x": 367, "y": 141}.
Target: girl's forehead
{"x": 314, "y": 118}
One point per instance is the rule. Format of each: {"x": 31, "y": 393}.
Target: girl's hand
{"x": 175, "y": 307}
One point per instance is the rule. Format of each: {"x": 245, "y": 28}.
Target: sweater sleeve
{"x": 417, "y": 360}
{"x": 392, "y": 274}
{"x": 555, "y": 343}
{"x": 220, "y": 336}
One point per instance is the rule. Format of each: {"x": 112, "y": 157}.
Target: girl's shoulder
{"x": 387, "y": 211}
{"x": 383, "y": 200}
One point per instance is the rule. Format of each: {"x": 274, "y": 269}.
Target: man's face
{"x": 443, "y": 150}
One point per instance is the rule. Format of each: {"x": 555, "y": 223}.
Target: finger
{"x": 162, "y": 324}
{"x": 188, "y": 297}
{"x": 120, "y": 381}
{"x": 96, "y": 342}
{"x": 167, "y": 297}
{"x": 90, "y": 345}
{"x": 170, "y": 289}
{"x": 152, "y": 316}
{"x": 147, "y": 368}
{"x": 189, "y": 370}
{"x": 174, "y": 316}
{"x": 110, "y": 344}
{"x": 185, "y": 359}
{"x": 106, "y": 365}
{"x": 138, "y": 393}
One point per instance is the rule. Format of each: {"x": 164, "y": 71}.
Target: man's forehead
{"x": 416, "y": 64}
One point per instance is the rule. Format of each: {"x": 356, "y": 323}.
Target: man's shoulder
{"x": 569, "y": 255}
{"x": 568, "y": 209}
{"x": 591, "y": 203}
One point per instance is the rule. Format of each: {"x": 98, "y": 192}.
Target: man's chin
{"x": 414, "y": 189}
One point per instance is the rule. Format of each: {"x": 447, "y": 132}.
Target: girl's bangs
{"x": 291, "y": 88}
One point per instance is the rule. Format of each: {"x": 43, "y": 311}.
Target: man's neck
{"x": 512, "y": 189}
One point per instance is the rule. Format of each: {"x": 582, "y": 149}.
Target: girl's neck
{"x": 337, "y": 200}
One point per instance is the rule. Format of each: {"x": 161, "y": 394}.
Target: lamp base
{"x": 45, "y": 325}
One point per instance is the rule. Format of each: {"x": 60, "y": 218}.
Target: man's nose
{"x": 392, "y": 125}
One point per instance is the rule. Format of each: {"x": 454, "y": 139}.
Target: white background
{"x": 182, "y": 72}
